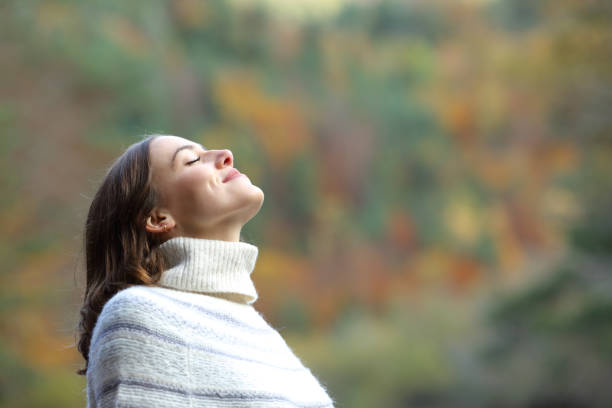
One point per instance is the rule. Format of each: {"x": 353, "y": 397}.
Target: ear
{"x": 159, "y": 221}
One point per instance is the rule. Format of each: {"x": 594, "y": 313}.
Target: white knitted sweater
{"x": 195, "y": 340}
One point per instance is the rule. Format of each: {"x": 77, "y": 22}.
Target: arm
{"x": 137, "y": 358}
{"x": 109, "y": 370}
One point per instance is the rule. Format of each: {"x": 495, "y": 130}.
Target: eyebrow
{"x": 189, "y": 146}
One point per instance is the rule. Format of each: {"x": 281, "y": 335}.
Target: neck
{"x": 209, "y": 266}
{"x": 223, "y": 233}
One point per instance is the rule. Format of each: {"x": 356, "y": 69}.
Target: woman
{"x": 167, "y": 319}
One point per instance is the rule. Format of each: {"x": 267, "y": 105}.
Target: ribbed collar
{"x": 219, "y": 268}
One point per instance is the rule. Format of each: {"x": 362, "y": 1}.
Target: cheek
{"x": 192, "y": 191}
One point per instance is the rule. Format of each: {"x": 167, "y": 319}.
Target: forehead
{"x": 166, "y": 145}
{"x": 163, "y": 148}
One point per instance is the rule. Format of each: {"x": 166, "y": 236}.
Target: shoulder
{"x": 126, "y": 305}
{"x": 133, "y": 340}
{"x": 134, "y": 309}
{"x": 126, "y": 299}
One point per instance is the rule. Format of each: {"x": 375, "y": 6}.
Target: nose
{"x": 224, "y": 158}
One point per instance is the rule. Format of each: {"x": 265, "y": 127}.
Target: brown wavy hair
{"x": 119, "y": 252}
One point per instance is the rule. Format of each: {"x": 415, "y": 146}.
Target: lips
{"x": 233, "y": 173}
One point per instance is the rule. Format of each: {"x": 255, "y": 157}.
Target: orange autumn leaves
{"x": 277, "y": 122}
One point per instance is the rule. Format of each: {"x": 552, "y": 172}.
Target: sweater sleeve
{"x": 113, "y": 348}
{"x": 108, "y": 370}
{"x": 132, "y": 361}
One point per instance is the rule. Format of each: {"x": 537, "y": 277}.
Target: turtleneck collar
{"x": 213, "y": 267}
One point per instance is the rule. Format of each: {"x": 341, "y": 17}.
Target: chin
{"x": 257, "y": 193}
{"x": 256, "y": 200}
{"x": 250, "y": 201}
{"x": 259, "y": 199}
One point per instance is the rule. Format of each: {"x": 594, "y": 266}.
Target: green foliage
{"x": 294, "y": 317}
{"x": 15, "y": 377}
{"x": 518, "y": 15}
{"x": 564, "y": 322}
{"x": 393, "y": 18}
{"x": 594, "y": 235}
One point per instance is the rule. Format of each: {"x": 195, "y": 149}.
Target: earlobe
{"x": 159, "y": 222}
{"x": 152, "y": 226}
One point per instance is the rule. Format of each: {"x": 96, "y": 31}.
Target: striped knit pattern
{"x": 197, "y": 341}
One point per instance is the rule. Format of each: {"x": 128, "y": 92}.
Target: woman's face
{"x": 200, "y": 194}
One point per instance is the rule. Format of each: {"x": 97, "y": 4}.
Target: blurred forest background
{"x": 438, "y": 176}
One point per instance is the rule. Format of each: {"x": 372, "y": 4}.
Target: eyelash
{"x": 193, "y": 161}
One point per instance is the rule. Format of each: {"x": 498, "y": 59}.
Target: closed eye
{"x": 192, "y": 161}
